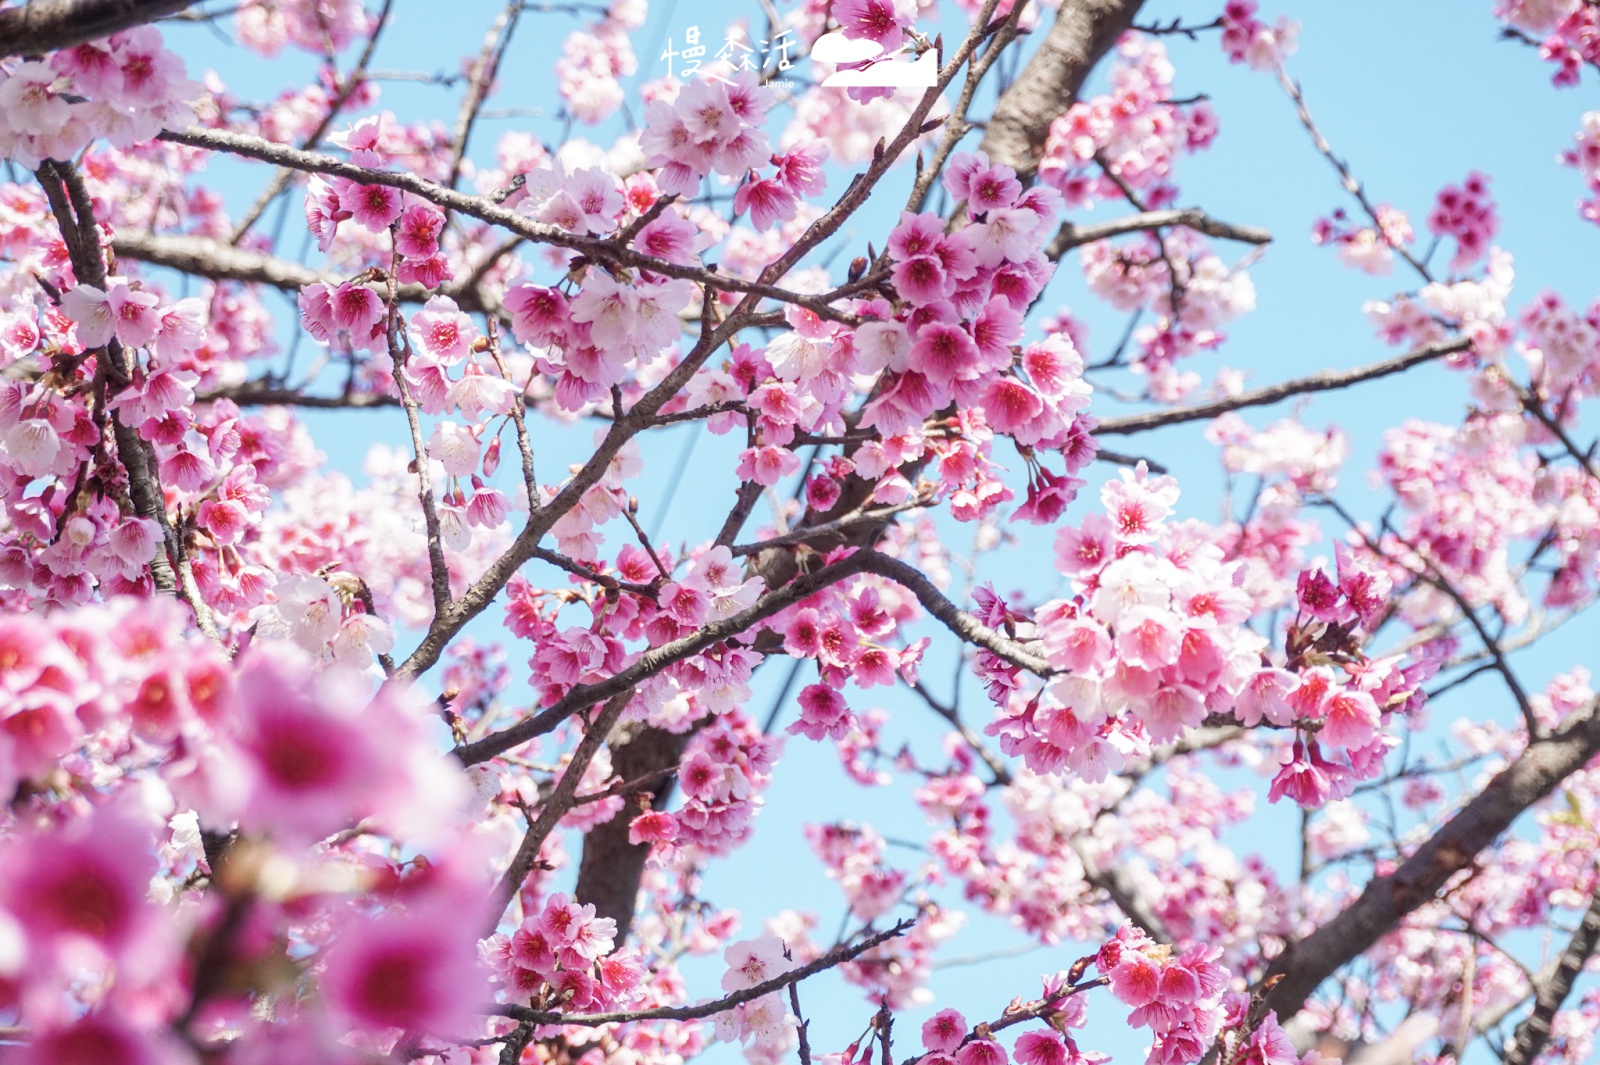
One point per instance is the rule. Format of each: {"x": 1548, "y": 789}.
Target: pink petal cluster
{"x": 124, "y": 88}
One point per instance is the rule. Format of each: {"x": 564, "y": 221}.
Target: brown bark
{"x": 1387, "y": 900}
{"x": 45, "y": 25}
{"x": 1084, "y": 30}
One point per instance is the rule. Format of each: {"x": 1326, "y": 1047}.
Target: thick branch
{"x": 45, "y": 25}
{"x": 1325, "y": 381}
{"x": 1083, "y": 32}
{"x": 1534, "y": 1032}
{"x": 1535, "y": 773}
{"x": 169, "y": 569}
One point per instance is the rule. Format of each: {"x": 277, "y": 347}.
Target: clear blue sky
{"x": 1413, "y": 95}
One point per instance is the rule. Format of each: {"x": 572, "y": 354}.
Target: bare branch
{"x": 220, "y": 261}
{"x": 1070, "y": 235}
{"x": 482, "y": 76}
{"x": 399, "y": 350}
{"x": 1325, "y": 381}
{"x": 953, "y": 617}
{"x": 1351, "y": 184}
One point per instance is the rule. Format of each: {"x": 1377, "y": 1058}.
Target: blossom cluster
{"x": 123, "y": 88}
{"x": 763, "y": 1024}
{"x": 1122, "y": 146}
{"x": 1568, "y": 33}
{"x": 1179, "y": 997}
{"x": 1466, "y": 213}
{"x": 595, "y": 58}
{"x": 1585, "y": 158}
{"x": 1347, "y": 714}
{"x": 315, "y": 26}
{"x": 1247, "y": 39}
{"x": 712, "y": 126}
{"x": 1150, "y": 643}
{"x": 264, "y": 757}
{"x": 563, "y": 958}
{"x": 1365, "y": 247}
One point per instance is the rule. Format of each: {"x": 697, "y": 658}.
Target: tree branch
{"x": 1070, "y": 236}
{"x": 1083, "y": 32}
{"x": 721, "y": 1005}
{"x": 556, "y": 806}
{"x": 45, "y": 25}
{"x": 74, "y": 213}
{"x": 951, "y": 616}
{"x": 1534, "y": 1032}
{"x": 221, "y": 261}
{"x": 1325, "y": 381}
{"x": 1535, "y": 773}
{"x": 487, "y": 210}
{"x": 656, "y": 659}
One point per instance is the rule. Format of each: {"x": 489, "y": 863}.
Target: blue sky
{"x": 1413, "y": 95}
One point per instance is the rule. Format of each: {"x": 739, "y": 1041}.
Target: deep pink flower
{"x": 356, "y": 308}
{"x": 374, "y": 206}
{"x": 411, "y": 969}
{"x": 85, "y": 881}
{"x": 944, "y": 1030}
{"x": 418, "y": 234}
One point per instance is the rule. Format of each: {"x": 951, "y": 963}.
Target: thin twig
{"x": 721, "y": 1005}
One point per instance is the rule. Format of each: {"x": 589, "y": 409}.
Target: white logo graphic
{"x": 885, "y": 71}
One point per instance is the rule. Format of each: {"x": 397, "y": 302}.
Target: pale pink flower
{"x": 442, "y": 330}
{"x": 538, "y": 315}
{"x": 30, "y": 102}
{"x": 871, "y": 20}
{"x": 767, "y": 465}
{"x": 182, "y": 329}
{"x": 19, "y": 335}
{"x": 31, "y": 447}
{"x": 91, "y": 309}
{"x": 456, "y": 448}
{"x": 944, "y": 1031}
{"x": 768, "y": 201}
{"x": 753, "y": 961}
{"x": 365, "y": 140}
